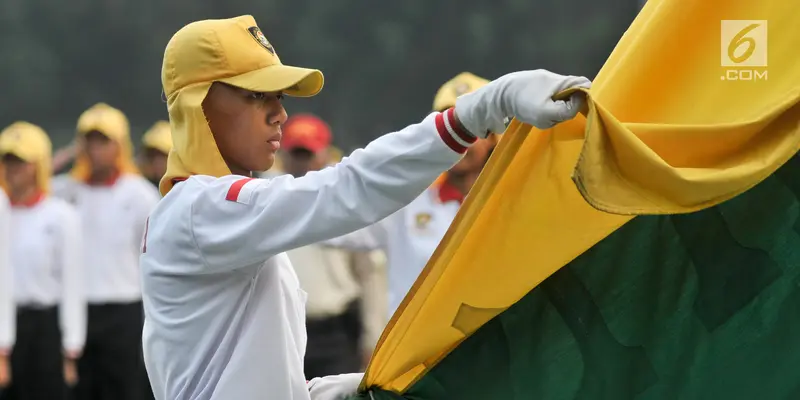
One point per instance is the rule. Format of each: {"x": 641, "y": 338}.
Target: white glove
{"x": 524, "y": 95}
{"x": 334, "y": 387}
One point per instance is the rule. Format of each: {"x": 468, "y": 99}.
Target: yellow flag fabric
{"x": 664, "y": 133}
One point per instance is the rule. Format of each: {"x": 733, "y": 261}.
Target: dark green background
{"x": 383, "y": 60}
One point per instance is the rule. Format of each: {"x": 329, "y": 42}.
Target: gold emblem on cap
{"x": 256, "y": 33}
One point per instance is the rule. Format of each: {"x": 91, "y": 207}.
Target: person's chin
{"x": 266, "y": 162}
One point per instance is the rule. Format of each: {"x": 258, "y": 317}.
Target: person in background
{"x": 341, "y": 332}
{"x": 47, "y": 271}
{"x": 156, "y": 144}
{"x": 459, "y": 179}
{"x": 113, "y": 201}
{"x": 410, "y": 236}
{"x": 7, "y": 317}
{"x": 370, "y": 267}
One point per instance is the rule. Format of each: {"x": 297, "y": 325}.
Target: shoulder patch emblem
{"x": 422, "y": 220}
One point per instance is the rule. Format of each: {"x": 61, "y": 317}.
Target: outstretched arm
{"x": 263, "y": 217}
{"x": 238, "y": 221}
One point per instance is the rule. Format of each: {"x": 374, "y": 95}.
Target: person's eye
{"x": 279, "y": 96}
{"x": 256, "y": 96}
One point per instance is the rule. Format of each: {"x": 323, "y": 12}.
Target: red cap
{"x": 306, "y": 132}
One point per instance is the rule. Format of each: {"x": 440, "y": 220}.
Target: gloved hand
{"x": 334, "y": 387}
{"x": 525, "y": 95}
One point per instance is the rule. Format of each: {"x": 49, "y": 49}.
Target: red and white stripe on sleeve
{"x": 242, "y": 190}
{"x": 451, "y": 133}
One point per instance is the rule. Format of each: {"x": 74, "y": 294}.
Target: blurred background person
{"x": 342, "y": 330}
{"x": 7, "y": 314}
{"x": 457, "y": 181}
{"x": 370, "y": 267}
{"x": 47, "y": 271}
{"x": 410, "y": 236}
{"x": 156, "y": 144}
{"x": 114, "y": 201}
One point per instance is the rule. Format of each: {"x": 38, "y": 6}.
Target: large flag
{"x": 649, "y": 250}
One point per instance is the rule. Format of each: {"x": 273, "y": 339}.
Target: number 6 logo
{"x": 740, "y": 40}
{"x": 744, "y": 43}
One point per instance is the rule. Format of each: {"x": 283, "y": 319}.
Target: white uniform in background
{"x": 225, "y": 315}
{"x": 113, "y": 219}
{"x": 335, "y": 280}
{"x": 47, "y": 265}
{"x": 408, "y": 237}
{"x": 8, "y": 317}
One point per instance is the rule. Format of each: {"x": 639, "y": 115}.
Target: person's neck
{"x": 460, "y": 182}
{"x": 23, "y": 195}
{"x": 155, "y": 181}
{"x": 102, "y": 176}
{"x": 242, "y": 172}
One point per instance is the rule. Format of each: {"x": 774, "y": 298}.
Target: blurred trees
{"x": 383, "y": 61}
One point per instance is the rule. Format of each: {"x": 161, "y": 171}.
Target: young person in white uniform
{"x": 113, "y": 200}
{"x": 47, "y": 270}
{"x": 224, "y": 310}
{"x": 7, "y": 314}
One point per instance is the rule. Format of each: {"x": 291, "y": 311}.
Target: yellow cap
{"x": 233, "y": 51}
{"x": 159, "y": 137}
{"x": 464, "y": 82}
{"x": 30, "y": 143}
{"x": 104, "y": 119}
{"x": 112, "y": 123}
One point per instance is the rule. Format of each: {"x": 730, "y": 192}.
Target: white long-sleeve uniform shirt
{"x": 8, "y": 318}
{"x": 225, "y": 315}
{"x": 47, "y": 265}
{"x": 112, "y": 217}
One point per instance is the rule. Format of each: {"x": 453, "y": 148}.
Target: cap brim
{"x": 292, "y": 81}
{"x": 17, "y": 152}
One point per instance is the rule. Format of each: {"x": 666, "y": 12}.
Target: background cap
{"x": 26, "y": 141}
{"x": 159, "y": 137}
{"x": 307, "y": 132}
{"x": 105, "y": 119}
{"x": 463, "y": 83}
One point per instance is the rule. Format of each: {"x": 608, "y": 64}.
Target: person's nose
{"x": 278, "y": 117}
